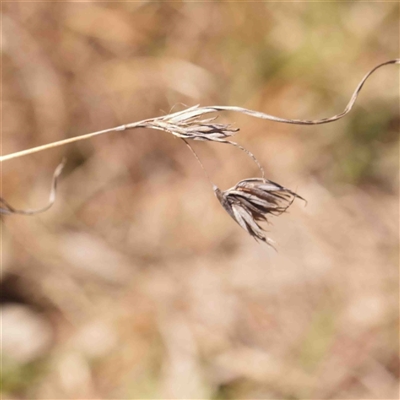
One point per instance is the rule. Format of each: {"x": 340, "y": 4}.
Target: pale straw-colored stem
{"x": 66, "y": 141}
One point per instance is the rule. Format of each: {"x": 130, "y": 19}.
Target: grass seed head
{"x": 251, "y": 200}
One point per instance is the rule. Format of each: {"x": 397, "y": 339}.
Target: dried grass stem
{"x": 187, "y": 125}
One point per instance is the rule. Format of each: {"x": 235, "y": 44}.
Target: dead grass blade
{"x": 8, "y": 209}
{"x": 347, "y": 109}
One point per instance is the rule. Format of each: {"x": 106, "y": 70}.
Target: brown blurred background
{"x": 136, "y": 283}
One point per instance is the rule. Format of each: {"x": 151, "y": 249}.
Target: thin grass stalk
{"x": 190, "y": 116}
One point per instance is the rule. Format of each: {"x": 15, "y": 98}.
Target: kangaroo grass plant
{"x": 250, "y": 200}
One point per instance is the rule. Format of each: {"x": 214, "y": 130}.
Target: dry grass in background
{"x": 135, "y": 284}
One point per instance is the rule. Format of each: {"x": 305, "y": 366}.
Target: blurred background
{"x": 136, "y": 283}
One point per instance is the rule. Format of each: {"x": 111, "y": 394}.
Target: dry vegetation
{"x": 135, "y": 284}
